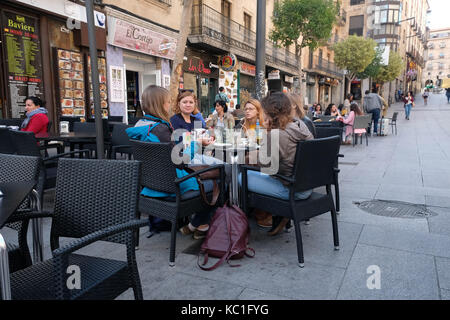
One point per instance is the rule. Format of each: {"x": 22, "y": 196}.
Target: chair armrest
{"x": 336, "y": 170}
{"x": 99, "y": 235}
{"x": 250, "y": 168}
{"x": 196, "y": 173}
{"x": 27, "y": 215}
{"x": 340, "y": 155}
{"x": 287, "y": 179}
{"x": 86, "y": 151}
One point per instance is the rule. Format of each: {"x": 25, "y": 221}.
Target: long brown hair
{"x": 278, "y": 108}
{"x": 153, "y": 100}
{"x": 181, "y": 96}
{"x": 297, "y": 105}
{"x": 259, "y": 116}
{"x": 355, "y": 108}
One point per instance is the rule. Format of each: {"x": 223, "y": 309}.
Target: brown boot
{"x": 279, "y": 228}
{"x": 263, "y": 218}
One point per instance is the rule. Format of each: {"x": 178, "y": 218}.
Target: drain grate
{"x": 396, "y": 209}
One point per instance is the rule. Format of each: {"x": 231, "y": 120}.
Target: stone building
{"x": 438, "y": 57}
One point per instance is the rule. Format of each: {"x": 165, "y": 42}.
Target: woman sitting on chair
{"x": 349, "y": 121}
{"x": 279, "y": 121}
{"x": 253, "y": 116}
{"x": 36, "y": 120}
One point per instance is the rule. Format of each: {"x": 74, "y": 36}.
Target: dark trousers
{"x": 375, "y": 117}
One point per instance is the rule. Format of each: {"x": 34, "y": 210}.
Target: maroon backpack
{"x": 227, "y": 237}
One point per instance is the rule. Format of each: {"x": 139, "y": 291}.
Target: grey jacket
{"x": 372, "y": 101}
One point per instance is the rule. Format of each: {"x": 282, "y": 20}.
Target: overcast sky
{"x": 440, "y": 14}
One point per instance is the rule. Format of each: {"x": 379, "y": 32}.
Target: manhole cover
{"x": 395, "y": 209}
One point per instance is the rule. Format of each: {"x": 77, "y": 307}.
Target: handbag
{"x": 227, "y": 237}
{"x": 210, "y": 175}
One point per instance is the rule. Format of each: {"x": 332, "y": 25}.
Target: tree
{"x": 392, "y": 70}
{"x": 185, "y": 27}
{"x": 354, "y": 54}
{"x": 303, "y": 23}
{"x": 374, "y": 67}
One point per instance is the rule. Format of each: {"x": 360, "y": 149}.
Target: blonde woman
{"x": 253, "y": 114}
{"x": 298, "y": 112}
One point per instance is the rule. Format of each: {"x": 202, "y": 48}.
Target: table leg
{"x": 234, "y": 179}
{"x": 5, "y": 285}
{"x": 36, "y": 224}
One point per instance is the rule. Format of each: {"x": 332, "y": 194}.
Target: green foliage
{"x": 354, "y": 54}
{"x": 374, "y": 67}
{"x": 304, "y": 23}
{"x": 392, "y": 70}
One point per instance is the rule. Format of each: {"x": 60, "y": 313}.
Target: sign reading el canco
{"x": 136, "y": 38}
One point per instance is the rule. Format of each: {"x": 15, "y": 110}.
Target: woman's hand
{"x": 207, "y": 142}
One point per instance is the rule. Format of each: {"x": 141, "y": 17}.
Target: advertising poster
{"x": 103, "y": 87}
{"x": 23, "y": 55}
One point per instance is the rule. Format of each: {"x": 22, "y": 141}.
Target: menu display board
{"x": 71, "y": 83}
{"x": 103, "y": 87}
{"x": 229, "y": 80}
{"x": 23, "y": 55}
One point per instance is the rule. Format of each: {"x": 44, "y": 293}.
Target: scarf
{"x": 30, "y": 115}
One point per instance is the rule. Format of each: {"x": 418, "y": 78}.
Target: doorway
{"x": 132, "y": 92}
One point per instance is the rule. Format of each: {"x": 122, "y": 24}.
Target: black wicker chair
{"x": 6, "y": 145}
{"x": 330, "y": 132}
{"x": 159, "y": 173}
{"x": 15, "y": 168}
{"x": 310, "y": 155}
{"x": 107, "y": 213}
{"x": 26, "y": 144}
{"x": 120, "y": 142}
{"x": 11, "y": 122}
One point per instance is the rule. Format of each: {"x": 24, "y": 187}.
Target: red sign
{"x": 198, "y": 67}
{"x": 248, "y": 69}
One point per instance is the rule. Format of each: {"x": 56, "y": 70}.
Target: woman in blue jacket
{"x": 155, "y": 127}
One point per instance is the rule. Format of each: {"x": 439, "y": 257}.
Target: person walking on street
{"x": 447, "y": 93}
{"x": 409, "y": 103}
{"x": 373, "y": 104}
{"x": 425, "y": 95}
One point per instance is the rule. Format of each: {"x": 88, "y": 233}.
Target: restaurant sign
{"x": 201, "y": 64}
{"x": 228, "y": 62}
{"x": 248, "y": 69}
{"x": 130, "y": 36}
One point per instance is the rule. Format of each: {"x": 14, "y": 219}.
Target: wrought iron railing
{"x": 207, "y": 21}
{"x": 320, "y": 64}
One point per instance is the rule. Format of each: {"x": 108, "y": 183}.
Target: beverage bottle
{"x": 258, "y": 132}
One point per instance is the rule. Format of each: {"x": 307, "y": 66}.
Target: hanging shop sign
{"x": 274, "y": 75}
{"x": 248, "y": 69}
{"x": 23, "y": 55}
{"x": 228, "y": 62}
{"x": 132, "y": 37}
{"x": 288, "y": 79}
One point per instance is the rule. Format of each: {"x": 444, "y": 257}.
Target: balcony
{"x": 324, "y": 66}
{"x": 212, "y": 28}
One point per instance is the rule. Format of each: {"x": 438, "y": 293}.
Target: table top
{"x": 13, "y": 195}
{"x": 67, "y": 136}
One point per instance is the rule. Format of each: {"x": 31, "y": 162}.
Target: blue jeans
{"x": 264, "y": 184}
{"x": 408, "y": 110}
{"x": 375, "y": 117}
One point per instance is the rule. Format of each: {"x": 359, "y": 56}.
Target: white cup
{"x": 64, "y": 127}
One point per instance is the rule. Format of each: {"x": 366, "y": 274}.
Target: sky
{"x": 439, "y": 17}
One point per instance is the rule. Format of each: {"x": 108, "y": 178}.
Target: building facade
{"x": 438, "y": 57}
{"x": 399, "y": 25}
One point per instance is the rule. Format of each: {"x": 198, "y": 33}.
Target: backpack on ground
{"x": 227, "y": 237}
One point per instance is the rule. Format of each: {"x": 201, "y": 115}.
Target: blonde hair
{"x": 259, "y": 116}
{"x": 153, "y": 100}
{"x": 297, "y": 105}
{"x": 181, "y": 96}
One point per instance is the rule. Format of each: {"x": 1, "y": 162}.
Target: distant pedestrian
{"x": 222, "y": 96}
{"x": 347, "y": 104}
{"x": 447, "y": 93}
{"x": 373, "y": 104}
{"x": 409, "y": 103}
{"x": 425, "y": 96}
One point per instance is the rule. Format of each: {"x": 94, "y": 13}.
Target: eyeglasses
{"x": 186, "y": 90}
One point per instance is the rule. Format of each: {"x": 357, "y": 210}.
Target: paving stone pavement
{"x": 412, "y": 255}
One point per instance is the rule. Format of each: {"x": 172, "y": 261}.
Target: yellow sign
{"x": 445, "y": 83}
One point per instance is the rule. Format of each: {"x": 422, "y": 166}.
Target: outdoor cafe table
{"x": 13, "y": 193}
{"x": 232, "y": 152}
{"x": 72, "y": 138}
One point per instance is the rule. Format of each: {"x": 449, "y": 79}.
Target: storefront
{"x": 247, "y": 86}
{"x": 201, "y": 74}
{"x": 139, "y": 54}
{"x": 45, "y": 46}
